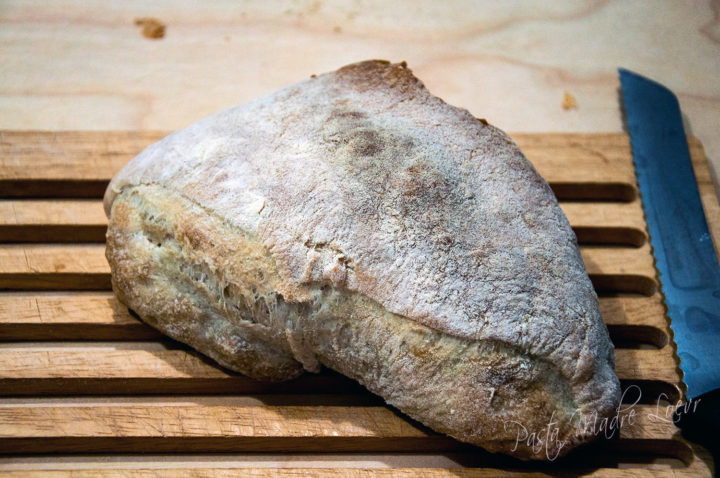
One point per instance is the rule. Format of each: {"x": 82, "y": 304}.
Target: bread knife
{"x": 687, "y": 266}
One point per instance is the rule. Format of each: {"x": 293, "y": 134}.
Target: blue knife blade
{"x": 685, "y": 258}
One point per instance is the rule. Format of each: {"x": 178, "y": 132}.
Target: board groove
{"x": 79, "y": 164}
{"x": 249, "y": 428}
{"x": 294, "y": 472}
{"x": 80, "y": 374}
{"x": 98, "y": 316}
{"x": 76, "y": 220}
{"x": 83, "y": 266}
{"x": 26, "y": 371}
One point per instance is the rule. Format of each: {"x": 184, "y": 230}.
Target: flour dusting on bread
{"x": 356, "y": 221}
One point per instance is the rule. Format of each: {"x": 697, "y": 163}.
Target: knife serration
{"x": 685, "y": 258}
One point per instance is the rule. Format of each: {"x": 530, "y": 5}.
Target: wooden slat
{"x": 606, "y": 222}
{"x": 104, "y": 372}
{"x": 55, "y": 266}
{"x": 69, "y": 316}
{"x": 65, "y": 164}
{"x": 76, "y": 220}
{"x": 585, "y": 173}
{"x": 55, "y": 212}
{"x": 219, "y": 428}
{"x": 83, "y": 266}
{"x": 37, "y": 370}
{"x": 593, "y": 141}
{"x": 40, "y": 362}
{"x": 100, "y": 316}
{"x": 168, "y": 429}
{"x": 674, "y": 456}
{"x": 621, "y": 269}
{"x": 79, "y": 164}
{"x": 51, "y": 369}
{"x": 635, "y": 319}
{"x": 133, "y": 428}
{"x": 57, "y": 220}
{"x": 410, "y": 472}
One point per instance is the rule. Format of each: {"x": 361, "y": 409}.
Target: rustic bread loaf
{"x": 358, "y": 222}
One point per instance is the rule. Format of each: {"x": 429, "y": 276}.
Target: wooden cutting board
{"x": 84, "y": 385}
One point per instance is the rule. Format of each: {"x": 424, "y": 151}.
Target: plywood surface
{"x": 77, "y": 64}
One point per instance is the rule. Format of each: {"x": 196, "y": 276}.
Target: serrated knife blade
{"x": 685, "y": 258}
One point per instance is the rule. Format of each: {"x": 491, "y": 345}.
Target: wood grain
{"x": 82, "y": 65}
{"x": 97, "y": 316}
{"x": 69, "y": 316}
{"x": 77, "y": 220}
{"x": 82, "y": 381}
{"x": 500, "y": 63}
{"x": 52, "y": 220}
{"x": 37, "y": 369}
{"x": 79, "y": 164}
{"x": 69, "y": 155}
{"x": 83, "y": 266}
{"x": 606, "y": 222}
{"x": 437, "y": 472}
{"x": 133, "y": 428}
{"x": 53, "y": 266}
{"x": 362, "y": 464}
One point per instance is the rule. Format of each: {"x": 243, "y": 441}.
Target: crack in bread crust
{"x": 199, "y": 279}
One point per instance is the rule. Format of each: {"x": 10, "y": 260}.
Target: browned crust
{"x": 378, "y": 75}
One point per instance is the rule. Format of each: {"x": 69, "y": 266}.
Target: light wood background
{"x": 85, "y": 65}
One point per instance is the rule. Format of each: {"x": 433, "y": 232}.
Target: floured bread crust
{"x": 358, "y": 222}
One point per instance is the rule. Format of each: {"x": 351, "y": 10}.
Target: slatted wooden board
{"x": 86, "y": 386}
